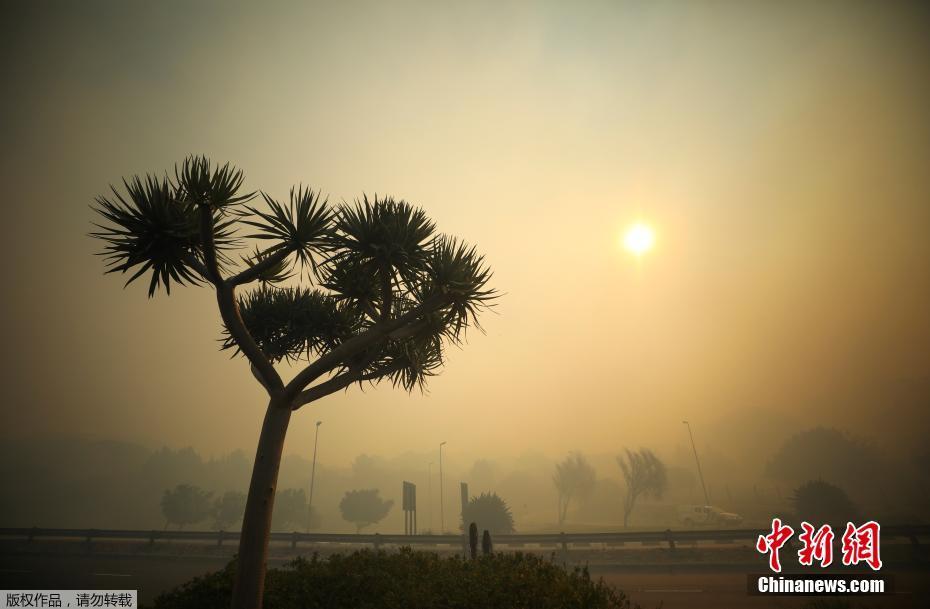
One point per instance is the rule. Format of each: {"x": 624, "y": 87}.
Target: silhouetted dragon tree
{"x": 390, "y": 293}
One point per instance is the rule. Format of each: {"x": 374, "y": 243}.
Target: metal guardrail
{"x": 668, "y": 536}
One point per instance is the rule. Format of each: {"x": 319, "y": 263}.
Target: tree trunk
{"x": 628, "y": 504}
{"x": 256, "y": 524}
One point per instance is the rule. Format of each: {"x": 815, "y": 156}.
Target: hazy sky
{"x": 780, "y": 151}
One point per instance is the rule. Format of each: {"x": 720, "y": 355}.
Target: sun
{"x": 639, "y": 239}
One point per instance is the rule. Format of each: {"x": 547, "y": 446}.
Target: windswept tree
{"x": 490, "y": 513}
{"x": 374, "y": 294}
{"x": 364, "y": 507}
{"x": 228, "y": 510}
{"x": 574, "y": 477}
{"x": 185, "y": 504}
{"x": 644, "y": 474}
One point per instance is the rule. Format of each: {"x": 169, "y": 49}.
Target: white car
{"x": 693, "y": 515}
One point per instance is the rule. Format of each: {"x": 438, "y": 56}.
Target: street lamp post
{"x": 316, "y": 438}
{"x": 442, "y": 516}
{"x": 429, "y": 494}
{"x": 696, "y": 460}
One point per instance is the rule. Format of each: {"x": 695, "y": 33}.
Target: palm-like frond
{"x": 377, "y": 261}
{"x": 457, "y": 271}
{"x": 291, "y": 323}
{"x": 202, "y": 184}
{"x": 410, "y": 362}
{"x": 419, "y": 359}
{"x": 303, "y": 225}
{"x": 349, "y": 281}
{"x": 382, "y": 236}
{"x": 152, "y": 228}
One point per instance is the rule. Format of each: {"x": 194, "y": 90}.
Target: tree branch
{"x": 387, "y": 292}
{"x": 229, "y": 308}
{"x": 340, "y": 382}
{"x": 254, "y": 272}
{"x": 408, "y": 330}
{"x": 198, "y": 266}
{"x": 357, "y": 344}
{"x": 209, "y": 245}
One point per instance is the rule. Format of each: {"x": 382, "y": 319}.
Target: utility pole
{"x": 442, "y": 514}
{"x": 316, "y": 438}
{"x": 696, "y": 460}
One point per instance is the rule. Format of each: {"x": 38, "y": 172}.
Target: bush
{"x": 408, "y": 580}
{"x": 820, "y": 502}
{"x": 488, "y": 511}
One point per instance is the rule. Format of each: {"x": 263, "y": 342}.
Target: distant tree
{"x": 166, "y": 467}
{"x": 644, "y": 474}
{"x": 819, "y": 502}
{"x": 228, "y": 510}
{"x": 185, "y": 504}
{"x": 290, "y": 510}
{"x": 490, "y": 513}
{"x": 574, "y": 477}
{"x": 227, "y": 471}
{"x": 829, "y": 454}
{"x": 364, "y": 507}
{"x": 387, "y": 295}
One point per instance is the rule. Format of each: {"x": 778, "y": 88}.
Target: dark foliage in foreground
{"x": 409, "y": 580}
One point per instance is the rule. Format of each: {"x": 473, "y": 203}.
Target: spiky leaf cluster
{"x": 294, "y": 322}
{"x": 198, "y": 182}
{"x": 350, "y": 281}
{"x": 409, "y": 363}
{"x": 302, "y": 226}
{"x": 490, "y": 512}
{"x": 377, "y": 234}
{"x": 384, "y": 241}
{"x": 154, "y": 227}
{"x": 360, "y": 256}
{"x": 456, "y": 270}
{"x": 373, "y": 260}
